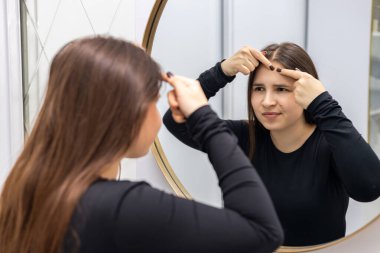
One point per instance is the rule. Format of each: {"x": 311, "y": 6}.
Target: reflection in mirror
{"x": 221, "y": 29}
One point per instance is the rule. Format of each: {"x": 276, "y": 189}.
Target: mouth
{"x": 271, "y": 115}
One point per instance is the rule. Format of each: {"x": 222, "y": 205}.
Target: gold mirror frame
{"x": 167, "y": 170}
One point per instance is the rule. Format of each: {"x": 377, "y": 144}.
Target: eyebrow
{"x": 281, "y": 85}
{"x": 275, "y": 85}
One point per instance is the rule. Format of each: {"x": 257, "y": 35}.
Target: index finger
{"x": 177, "y": 81}
{"x": 295, "y": 74}
{"x": 259, "y": 56}
{"x": 167, "y": 79}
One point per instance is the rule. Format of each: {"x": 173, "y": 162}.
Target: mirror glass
{"x": 193, "y": 35}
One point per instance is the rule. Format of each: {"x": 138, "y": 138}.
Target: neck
{"x": 292, "y": 138}
{"x": 111, "y": 172}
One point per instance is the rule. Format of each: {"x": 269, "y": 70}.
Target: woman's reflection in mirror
{"x": 307, "y": 152}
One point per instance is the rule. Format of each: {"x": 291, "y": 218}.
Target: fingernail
{"x": 169, "y": 74}
{"x": 271, "y": 67}
{"x": 278, "y": 69}
{"x": 297, "y": 69}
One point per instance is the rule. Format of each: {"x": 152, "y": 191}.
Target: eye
{"x": 258, "y": 88}
{"x": 282, "y": 89}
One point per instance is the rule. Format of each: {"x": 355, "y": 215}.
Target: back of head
{"x": 98, "y": 93}
{"x": 100, "y": 88}
{"x": 290, "y": 56}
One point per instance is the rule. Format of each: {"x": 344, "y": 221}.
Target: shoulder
{"x": 105, "y": 196}
{"x": 105, "y": 202}
{"x": 104, "y": 188}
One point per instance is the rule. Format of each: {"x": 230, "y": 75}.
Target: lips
{"x": 271, "y": 115}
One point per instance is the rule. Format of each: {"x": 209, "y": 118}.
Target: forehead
{"x": 267, "y": 77}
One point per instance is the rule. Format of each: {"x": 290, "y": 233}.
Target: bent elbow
{"x": 278, "y": 238}
{"x": 274, "y": 239}
{"x": 368, "y": 194}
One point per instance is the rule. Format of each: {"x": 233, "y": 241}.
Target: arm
{"x": 356, "y": 163}
{"x": 214, "y": 79}
{"x": 211, "y": 81}
{"x": 248, "y": 223}
{"x": 181, "y": 131}
{"x": 243, "y": 61}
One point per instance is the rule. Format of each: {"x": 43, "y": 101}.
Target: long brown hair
{"x": 291, "y": 56}
{"x": 98, "y": 93}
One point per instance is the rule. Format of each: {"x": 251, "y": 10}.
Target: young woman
{"x": 100, "y": 106}
{"x": 308, "y": 154}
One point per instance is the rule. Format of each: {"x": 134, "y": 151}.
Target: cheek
{"x": 254, "y": 102}
{"x": 293, "y": 108}
{"x": 289, "y": 102}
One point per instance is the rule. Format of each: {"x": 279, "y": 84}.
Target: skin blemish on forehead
{"x": 267, "y": 77}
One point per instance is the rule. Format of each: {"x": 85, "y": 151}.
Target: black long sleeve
{"x": 212, "y": 80}
{"x": 134, "y": 217}
{"x": 357, "y": 165}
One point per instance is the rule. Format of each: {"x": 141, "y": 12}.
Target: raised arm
{"x": 211, "y": 81}
{"x": 243, "y": 61}
{"x": 357, "y": 164}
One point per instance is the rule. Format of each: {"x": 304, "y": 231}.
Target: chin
{"x": 137, "y": 154}
{"x": 272, "y": 127}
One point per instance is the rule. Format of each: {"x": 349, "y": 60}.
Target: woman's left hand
{"x": 306, "y": 87}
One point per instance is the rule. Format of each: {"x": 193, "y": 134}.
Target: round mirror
{"x": 192, "y": 36}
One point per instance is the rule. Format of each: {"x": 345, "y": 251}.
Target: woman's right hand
{"x": 245, "y": 61}
{"x": 186, "y": 97}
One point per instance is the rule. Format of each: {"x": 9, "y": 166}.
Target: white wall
{"x": 11, "y": 120}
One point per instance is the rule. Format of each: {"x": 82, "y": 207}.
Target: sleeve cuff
{"x": 193, "y": 118}
{"x": 313, "y": 106}
{"x": 221, "y": 74}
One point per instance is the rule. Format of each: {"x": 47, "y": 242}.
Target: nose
{"x": 269, "y": 100}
